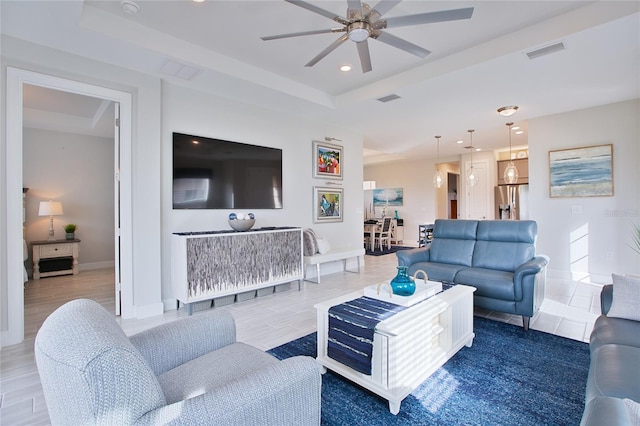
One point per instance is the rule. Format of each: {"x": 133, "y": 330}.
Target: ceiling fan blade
{"x": 328, "y": 50}
{"x": 319, "y": 11}
{"x": 429, "y": 17}
{"x": 303, "y": 33}
{"x": 354, "y": 4}
{"x": 365, "y": 58}
{"x": 402, "y": 44}
{"x": 384, "y": 7}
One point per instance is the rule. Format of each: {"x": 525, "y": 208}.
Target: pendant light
{"x": 511, "y": 171}
{"x": 472, "y": 179}
{"x": 438, "y": 178}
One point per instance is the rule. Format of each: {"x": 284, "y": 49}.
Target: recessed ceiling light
{"x": 519, "y": 132}
{"x": 345, "y": 68}
{"x": 199, "y": 1}
{"x": 478, "y": 149}
{"x": 129, "y": 7}
{"x": 514, "y": 128}
{"x": 460, "y": 141}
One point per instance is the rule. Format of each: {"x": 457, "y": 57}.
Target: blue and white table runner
{"x": 351, "y": 328}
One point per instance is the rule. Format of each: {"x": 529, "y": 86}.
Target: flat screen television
{"x": 218, "y": 174}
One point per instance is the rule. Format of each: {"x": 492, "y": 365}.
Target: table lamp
{"x": 51, "y": 209}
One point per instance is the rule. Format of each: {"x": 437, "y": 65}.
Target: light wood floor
{"x": 265, "y": 322}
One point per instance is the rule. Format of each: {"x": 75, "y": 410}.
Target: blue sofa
{"x": 497, "y": 257}
{"x": 613, "y": 385}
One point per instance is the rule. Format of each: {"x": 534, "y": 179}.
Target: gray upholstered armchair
{"x": 190, "y": 371}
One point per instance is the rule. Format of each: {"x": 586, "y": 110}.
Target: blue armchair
{"x": 190, "y": 371}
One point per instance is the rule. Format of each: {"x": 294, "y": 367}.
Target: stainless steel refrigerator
{"x": 512, "y": 202}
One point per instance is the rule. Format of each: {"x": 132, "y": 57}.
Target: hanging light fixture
{"x": 472, "y": 179}
{"x": 438, "y": 178}
{"x": 511, "y": 171}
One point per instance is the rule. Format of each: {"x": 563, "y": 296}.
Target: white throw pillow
{"x": 323, "y": 245}
{"x": 626, "y": 298}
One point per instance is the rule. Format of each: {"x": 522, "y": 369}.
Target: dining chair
{"x": 384, "y": 235}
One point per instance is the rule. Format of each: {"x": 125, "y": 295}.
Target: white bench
{"x": 332, "y": 255}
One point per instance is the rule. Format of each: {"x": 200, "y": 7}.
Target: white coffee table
{"x": 408, "y": 347}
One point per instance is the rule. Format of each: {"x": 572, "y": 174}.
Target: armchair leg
{"x": 525, "y": 322}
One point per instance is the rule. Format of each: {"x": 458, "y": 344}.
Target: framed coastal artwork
{"x": 327, "y": 160}
{"x": 581, "y": 172}
{"x": 327, "y": 204}
{"x": 387, "y": 197}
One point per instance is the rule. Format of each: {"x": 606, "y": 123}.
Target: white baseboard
{"x": 96, "y": 265}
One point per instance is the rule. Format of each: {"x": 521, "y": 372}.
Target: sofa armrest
{"x": 604, "y": 410}
{"x": 532, "y": 267}
{"x": 286, "y": 392}
{"x": 409, "y": 257}
{"x": 606, "y": 297}
{"x": 168, "y": 345}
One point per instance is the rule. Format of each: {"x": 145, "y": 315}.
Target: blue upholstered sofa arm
{"x": 409, "y": 257}
{"x": 169, "y": 345}
{"x": 293, "y": 384}
{"x": 532, "y": 267}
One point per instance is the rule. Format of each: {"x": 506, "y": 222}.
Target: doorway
{"x": 16, "y": 79}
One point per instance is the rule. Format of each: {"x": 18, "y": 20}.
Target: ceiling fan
{"x": 363, "y": 22}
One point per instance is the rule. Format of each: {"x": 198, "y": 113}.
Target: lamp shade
{"x": 50, "y": 208}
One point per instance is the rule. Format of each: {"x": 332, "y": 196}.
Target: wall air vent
{"x": 388, "y": 98}
{"x": 547, "y": 50}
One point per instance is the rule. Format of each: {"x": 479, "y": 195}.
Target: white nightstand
{"x": 59, "y": 250}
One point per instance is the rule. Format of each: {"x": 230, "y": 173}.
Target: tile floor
{"x": 569, "y": 310}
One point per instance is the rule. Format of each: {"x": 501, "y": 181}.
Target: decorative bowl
{"x": 241, "y": 224}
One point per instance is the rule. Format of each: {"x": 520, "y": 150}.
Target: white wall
{"x": 594, "y": 243}
{"x": 76, "y": 170}
{"x": 197, "y": 113}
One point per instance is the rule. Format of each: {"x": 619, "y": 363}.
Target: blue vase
{"x": 403, "y": 284}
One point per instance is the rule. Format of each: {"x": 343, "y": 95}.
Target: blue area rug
{"x": 508, "y": 377}
{"x": 393, "y": 249}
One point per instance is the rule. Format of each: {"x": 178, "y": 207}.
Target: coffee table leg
{"x": 394, "y": 407}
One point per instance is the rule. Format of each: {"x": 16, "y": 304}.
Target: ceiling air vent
{"x": 547, "y": 50}
{"x": 389, "y": 98}
{"x": 179, "y": 70}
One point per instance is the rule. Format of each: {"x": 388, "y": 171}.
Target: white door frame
{"x": 16, "y": 78}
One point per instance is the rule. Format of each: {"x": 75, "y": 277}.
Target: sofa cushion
{"x": 626, "y": 298}
{"x": 453, "y": 241}
{"x": 615, "y": 330}
{"x": 504, "y": 245}
{"x": 212, "y": 370}
{"x": 614, "y": 372}
{"x": 436, "y": 271}
{"x": 488, "y": 282}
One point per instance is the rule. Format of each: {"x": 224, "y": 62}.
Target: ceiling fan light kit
{"x": 363, "y": 23}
